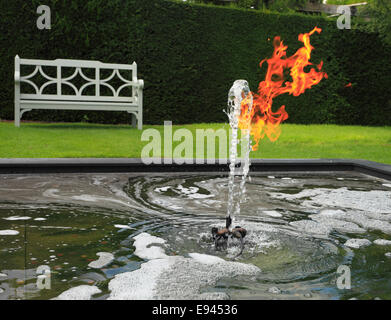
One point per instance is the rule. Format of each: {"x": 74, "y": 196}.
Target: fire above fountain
{"x": 256, "y": 109}
{"x": 252, "y": 113}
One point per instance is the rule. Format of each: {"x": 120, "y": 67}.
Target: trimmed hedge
{"x": 189, "y": 56}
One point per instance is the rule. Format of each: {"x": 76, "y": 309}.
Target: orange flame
{"x": 258, "y": 116}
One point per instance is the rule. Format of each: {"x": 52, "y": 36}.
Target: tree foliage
{"x": 379, "y": 13}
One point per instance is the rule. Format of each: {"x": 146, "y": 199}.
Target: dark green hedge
{"x": 189, "y": 56}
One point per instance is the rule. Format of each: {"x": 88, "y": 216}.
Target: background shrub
{"x": 189, "y": 55}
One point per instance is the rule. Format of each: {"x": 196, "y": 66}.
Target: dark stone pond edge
{"x": 134, "y": 165}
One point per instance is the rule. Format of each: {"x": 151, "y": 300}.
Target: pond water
{"x": 152, "y": 234}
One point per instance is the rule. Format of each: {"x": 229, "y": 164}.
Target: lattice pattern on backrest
{"x": 77, "y": 91}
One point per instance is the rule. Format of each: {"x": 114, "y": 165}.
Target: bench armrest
{"x": 140, "y": 84}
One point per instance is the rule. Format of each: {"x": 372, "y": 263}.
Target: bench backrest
{"x": 59, "y": 80}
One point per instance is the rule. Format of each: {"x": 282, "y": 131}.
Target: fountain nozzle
{"x": 220, "y": 236}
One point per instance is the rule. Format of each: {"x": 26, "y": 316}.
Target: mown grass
{"x": 68, "y": 140}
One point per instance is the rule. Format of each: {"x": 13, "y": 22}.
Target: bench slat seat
{"x": 132, "y": 103}
{"x": 78, "y": 105}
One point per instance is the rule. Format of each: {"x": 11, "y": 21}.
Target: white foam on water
{"x": 55, "y": 227}
{"x": 16, "y": 218}
{"x": 213, "y": 296}
{"x": 187, "y": 277}
{"x": 273, "y": 213}
{"x": 357, "y": 243}
{"x": 92, "y": 198}
{"x": 105, "y": 258}
{"x": 387, "y": 185}
{"x": 97, "y": 181}
{"x": 3, "y": 275}
{"x": 274, "y": 290}
{"x": 331, "y": 213}
{"x": 51, "y": 193}
{"x": 8, "y": 232}
{"x": 191, "y": 192}
{"x": 311, "y": 227}
{"x": 257, "y": 227}
{"x": 210, "y": 203}
{"x": 162, "y": 189}
{"x": 382, "y": 242}
{"x": 369, "y": 210}
{"x": 206, "y": 259}
{"x": 176, "y": 277}
{"x": 365, "y": 220}
{"x": 174, "y": 207}
{"x": 388, "y": 254}
{"x": 139, "y": 284}
{"x": 83, "y": 292}
{"x": 338, "y": 225}
{"x": 85, "y": 197}
{"x": 199, "y": 196}
{"x": 374, "y": 201}
{"x": 40, "y": 219}
{"x": 144, "y": 250}
{"x": 122, "y": 226}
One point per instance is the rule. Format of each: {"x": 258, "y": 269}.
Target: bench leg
{"x": 140, "y": 109}
{"x": 134, "y": 120}
{"x": 17, "y": 114}
{"x": 140, "y": 121}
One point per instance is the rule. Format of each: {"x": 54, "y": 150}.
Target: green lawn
{"x": 65, "y": 140}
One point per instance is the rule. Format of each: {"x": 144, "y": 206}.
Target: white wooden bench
{"x": 115, "y": 101}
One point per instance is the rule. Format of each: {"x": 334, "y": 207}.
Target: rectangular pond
{"x": 147, "y": 236}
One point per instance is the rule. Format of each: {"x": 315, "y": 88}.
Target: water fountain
{"x": 240, "y": 90}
